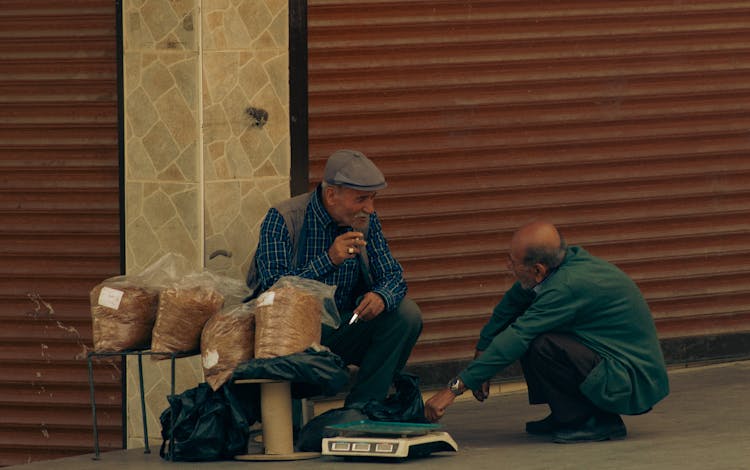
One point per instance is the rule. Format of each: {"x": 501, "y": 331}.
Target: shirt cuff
{"x": 388, "y": 299}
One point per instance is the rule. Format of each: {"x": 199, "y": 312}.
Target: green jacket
{"x": 595, "y": 301}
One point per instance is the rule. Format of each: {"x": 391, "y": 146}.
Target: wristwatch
{"x": 456, "y": 386}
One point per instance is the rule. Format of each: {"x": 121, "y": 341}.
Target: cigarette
{"x": 354, "y": 319}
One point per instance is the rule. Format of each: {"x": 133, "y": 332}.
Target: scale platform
{"x": 368, "y": 439}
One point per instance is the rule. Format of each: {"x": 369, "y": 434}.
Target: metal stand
{"x": 140, "y": 353}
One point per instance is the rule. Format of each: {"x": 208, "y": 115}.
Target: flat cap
{"x": 354, "y": 170}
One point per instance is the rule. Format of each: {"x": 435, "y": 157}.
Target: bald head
{"x": 538, "y": 242}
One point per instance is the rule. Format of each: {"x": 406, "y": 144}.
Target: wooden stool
{"x": 276, "y": 416}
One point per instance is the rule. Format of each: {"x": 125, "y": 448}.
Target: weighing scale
{"x": 370, "y": 439}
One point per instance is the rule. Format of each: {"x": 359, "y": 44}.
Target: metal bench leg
{"x": 171, "y": 416}
{"x": 93, "y": 407}
{"x": 307, "y": 412}
{"x": 143, "y": 405}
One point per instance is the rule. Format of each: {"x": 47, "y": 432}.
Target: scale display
{"x": 386, "y": 439}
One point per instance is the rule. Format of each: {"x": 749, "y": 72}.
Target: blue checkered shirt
{"x": 274, "y": 257}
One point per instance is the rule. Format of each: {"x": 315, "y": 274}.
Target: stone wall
{"x": 206, "y": 146}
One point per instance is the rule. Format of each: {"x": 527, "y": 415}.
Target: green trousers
{"x": 379, "y": 347}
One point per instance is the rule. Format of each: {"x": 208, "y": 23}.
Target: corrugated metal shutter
{"x": 626, "y": 123}
{"x": 59, "y": 222}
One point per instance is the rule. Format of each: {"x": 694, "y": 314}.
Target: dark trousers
{"x": 554, "y": 367}
{"x": 379, "y": 347}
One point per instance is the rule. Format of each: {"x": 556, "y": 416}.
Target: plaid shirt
{"x": 274, "y": 257}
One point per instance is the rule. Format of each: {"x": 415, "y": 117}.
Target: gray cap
{"x": 352, "y": 169}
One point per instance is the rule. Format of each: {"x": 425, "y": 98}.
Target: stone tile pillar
{"x": 246, "y": 151}
{"x": 206, "y": 147}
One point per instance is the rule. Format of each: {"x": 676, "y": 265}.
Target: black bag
{"x": 312, "y": 372}
{"x": 208, "y": 425}
{"x": 405, "y": 405}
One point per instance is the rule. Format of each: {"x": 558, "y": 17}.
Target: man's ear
{"x": 329, "y": 194}
{"x": 540, "y": 272}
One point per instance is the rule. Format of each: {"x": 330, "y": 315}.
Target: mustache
{"x": 364, "y": 217}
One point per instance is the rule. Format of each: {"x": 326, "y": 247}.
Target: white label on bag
{"x": 110, "y": 298}
{"x": 266, "y": 298}
{"x": 210, "y": 358}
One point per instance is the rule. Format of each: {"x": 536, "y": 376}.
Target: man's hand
{"x": 483, "y": 392}
{"x": 434, "y": 408}
{"x": 371, "y": 306}
{"x": 346, "y": 246}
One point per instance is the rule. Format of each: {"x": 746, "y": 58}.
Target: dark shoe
{"x": 543, "y": 427}
{"x": 598, "y": 428}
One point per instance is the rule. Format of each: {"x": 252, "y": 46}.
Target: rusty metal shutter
{"x": 59, "y": 222}
{"x": 626, "y": 123}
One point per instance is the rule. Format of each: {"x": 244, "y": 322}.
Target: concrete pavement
{"x": 703, "y": 424}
